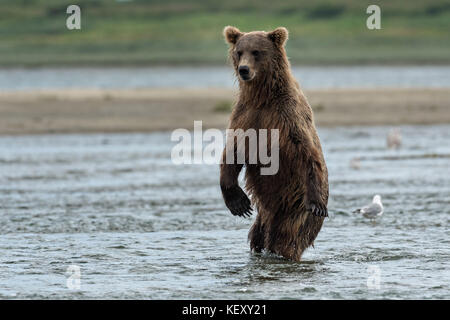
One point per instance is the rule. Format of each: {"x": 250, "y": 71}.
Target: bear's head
{"x": 255, "y": 54}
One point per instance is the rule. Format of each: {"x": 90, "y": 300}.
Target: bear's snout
{"x": 244, "y": 72}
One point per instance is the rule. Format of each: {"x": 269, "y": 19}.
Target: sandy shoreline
{"x": 146, "y": 110}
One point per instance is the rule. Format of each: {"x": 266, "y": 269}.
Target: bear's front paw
{"x": 237, "y": 201}
{"x": 318, "y": 209}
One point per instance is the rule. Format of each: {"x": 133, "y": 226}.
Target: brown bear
{"x": 291, "y": 204}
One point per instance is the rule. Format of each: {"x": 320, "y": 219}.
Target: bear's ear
{"x": 231, "y": 34}
{"x": 279, "y": 36}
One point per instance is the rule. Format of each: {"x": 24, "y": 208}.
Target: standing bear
{"x": 292, "y": 203}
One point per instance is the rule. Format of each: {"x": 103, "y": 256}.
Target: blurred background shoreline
{"x": 144, "y": 66}
{"x": 147, "y": 99}
{"x": 148, "y": 110}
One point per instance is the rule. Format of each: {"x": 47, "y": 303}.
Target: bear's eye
{"x": 239, "y": 53}
{"x": 255, "y": 53}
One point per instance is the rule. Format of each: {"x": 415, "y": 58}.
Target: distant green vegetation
{"x": 223, "y": 106}
{"x": 125, "y": 32}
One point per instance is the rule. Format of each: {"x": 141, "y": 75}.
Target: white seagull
{"x": 373, "y": 210}
{"x": 394, "y": 139}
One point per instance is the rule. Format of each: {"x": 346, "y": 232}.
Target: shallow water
{"x": 138, "y": 226}
{"x": 318, "y": 77}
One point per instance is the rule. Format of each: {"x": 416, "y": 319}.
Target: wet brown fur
{"x": 273, "y": 100}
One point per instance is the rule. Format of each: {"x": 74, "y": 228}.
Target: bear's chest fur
{"x": 254, "y": 117}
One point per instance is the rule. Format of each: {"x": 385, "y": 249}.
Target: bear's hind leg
{"x": 308, "y": 230}
{"x": 292, "y": 235}
{"x": 256, "y": 235}
{"x": 281, "y": 240}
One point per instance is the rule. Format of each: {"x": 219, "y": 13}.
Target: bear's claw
{"x": 237, "y": 201}
{"x": 318, "y": 210}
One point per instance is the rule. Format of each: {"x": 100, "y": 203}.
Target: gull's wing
{"x": 372, "y": 210}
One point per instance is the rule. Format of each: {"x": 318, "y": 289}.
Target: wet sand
{"x": 147, "y": 110}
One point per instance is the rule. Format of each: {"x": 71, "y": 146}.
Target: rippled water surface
{"x": 138, "y": 226}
